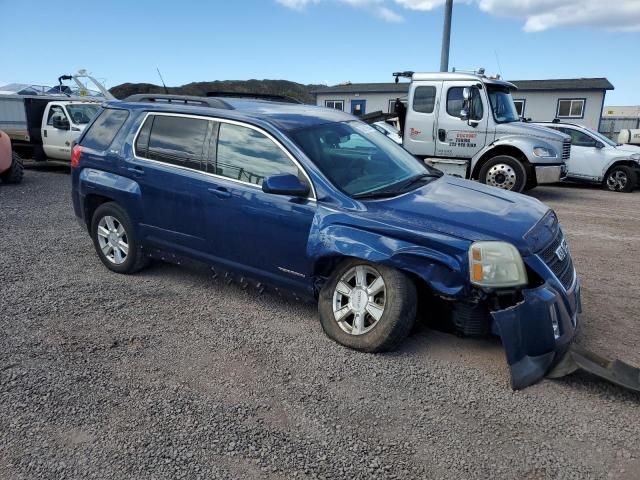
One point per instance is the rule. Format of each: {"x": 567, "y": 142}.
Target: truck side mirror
{"x": 464, "y": 115}
{"x": 61, "y": 123}
{"x": 466, "y": 94}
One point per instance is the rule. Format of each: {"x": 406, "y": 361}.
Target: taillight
{"x": 75, "y": 156}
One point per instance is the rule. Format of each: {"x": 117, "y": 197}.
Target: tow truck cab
{"x": 466, "y": 124}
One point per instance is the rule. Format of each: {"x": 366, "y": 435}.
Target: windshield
{"x": 361, "y": 161}
{"x": 504, "y": 110}
{"x": 601, "y": 137}
{"x": 82, "y": 113}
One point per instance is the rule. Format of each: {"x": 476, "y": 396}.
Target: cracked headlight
{"x": 496, "y": 264}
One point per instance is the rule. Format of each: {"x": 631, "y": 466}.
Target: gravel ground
{"x": 172, "y": 374}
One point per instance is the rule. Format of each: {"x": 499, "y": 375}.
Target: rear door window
{"x": 424, "y": 99}
{"x": 104, "y": 129}
{"x": 174, "y": 140}
{"x": 249, "y": 156}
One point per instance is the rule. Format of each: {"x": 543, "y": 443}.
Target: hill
{"x": 274, "y": 87}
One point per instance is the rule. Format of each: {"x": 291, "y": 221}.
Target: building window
{"x": 337, "y": 104}
{"x": 520, "y": 104}
{"x": 571, "y": 108}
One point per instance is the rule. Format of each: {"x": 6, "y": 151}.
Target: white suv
{"x": 596, "y": 159}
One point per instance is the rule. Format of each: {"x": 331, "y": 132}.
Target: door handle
{"x": 220, "y": 192}
{"x": 138, "y": 171}
{"x": 45, "y": 133}
{"x": 442, "y": 134}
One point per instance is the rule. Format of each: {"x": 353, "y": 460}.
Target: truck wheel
{"x": 367, "y": 306}
{"x": 15, "y": 172}
{"x": 620, "y": 179}
{"x": 115, "y": 240}
{"x": 504, "y": 172}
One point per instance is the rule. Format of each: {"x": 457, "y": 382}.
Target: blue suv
{"x": 314, "y": 201}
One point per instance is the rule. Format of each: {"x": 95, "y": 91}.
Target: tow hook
{"x": 614, "y": 371}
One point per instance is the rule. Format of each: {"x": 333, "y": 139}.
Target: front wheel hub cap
{"x": 359, "y": 300}
{"x": 113, "y": 240}
{"x": 501, "y": 176}
{"x": 617, "y": 181}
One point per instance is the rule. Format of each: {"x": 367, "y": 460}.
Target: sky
{"x": 319, "y": 41}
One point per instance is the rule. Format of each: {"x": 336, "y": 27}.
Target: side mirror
{"x": 599, "y": 145}
{"x": 464, "y": 114}
{"x": 61, "y": 123}
{"x": 285, "y": 184}
{"x": 466, "y": 94}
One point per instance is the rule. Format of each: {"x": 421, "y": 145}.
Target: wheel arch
{"x": 497, "y": 150}
{"x": 91, "y": 203}
{"x": 617, "y": 163}
{"x": 442, "y": 273}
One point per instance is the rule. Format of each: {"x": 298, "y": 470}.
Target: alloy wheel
{"x": 359, "y": 300}
{"x": 112, "y": 238}
{"x": 617, "y": 181}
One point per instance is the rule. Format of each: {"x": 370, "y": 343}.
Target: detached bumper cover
{"x": 537, "y": 332}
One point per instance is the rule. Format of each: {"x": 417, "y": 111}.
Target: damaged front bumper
{"x": 537, "y": 332}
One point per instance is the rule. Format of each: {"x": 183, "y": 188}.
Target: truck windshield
{"x": 504, "y": 110}
{"x": 82, "y": 114}
{"x": 361, "y": 161}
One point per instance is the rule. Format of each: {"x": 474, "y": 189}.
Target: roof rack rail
{"x": 179, "y": 100}
{"x": 258, "y": 96}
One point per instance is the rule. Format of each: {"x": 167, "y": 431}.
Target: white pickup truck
{"x": 42, "y": 122}
{"x": 44, "y": 127}
{"x": 466, "y": 124}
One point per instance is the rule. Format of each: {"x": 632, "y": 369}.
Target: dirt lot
{"x": 171, "y": 374}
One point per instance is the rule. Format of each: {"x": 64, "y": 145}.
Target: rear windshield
{"x": 104, "y": 129}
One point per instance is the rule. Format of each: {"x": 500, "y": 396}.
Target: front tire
{"x": 620, "y": 179}
{"x": 367, "y": 306}
{"x": 16, "y": 170}
{"x": 505, "y": 172}
{"x": 115, "y": 240}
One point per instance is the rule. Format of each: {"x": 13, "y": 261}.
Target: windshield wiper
{"x": 398, "y": 188}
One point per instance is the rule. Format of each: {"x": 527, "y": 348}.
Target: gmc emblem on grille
{"x": 562, "y": 251}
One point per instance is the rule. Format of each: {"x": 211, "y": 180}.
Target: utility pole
{"x": 446, "y": 36}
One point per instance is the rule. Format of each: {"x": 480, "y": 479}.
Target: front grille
{"x": 566, "y": 149}
{"x": 562, "y": 269}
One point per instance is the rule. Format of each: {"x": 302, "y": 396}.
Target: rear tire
{"x": 505, "y": 172}
{"x": 385, "y": 291}
{"x": 620, "y": 179}
{"x": 16, "y": 170}
{"x": 115, "y": 241}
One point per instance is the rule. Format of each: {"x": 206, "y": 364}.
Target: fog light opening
{"x": 554, "y": 322}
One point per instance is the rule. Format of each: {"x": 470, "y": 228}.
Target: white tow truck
{"x": 42, "y": 123}
{"x": 466, "y": 124}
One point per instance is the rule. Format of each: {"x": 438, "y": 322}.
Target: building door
{"x": 358, "y": 107}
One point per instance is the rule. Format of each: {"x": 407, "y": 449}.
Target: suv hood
{"x": 628, "y": 148}
{"x": 463, "y": 209}
{"x": 529, "y": 130}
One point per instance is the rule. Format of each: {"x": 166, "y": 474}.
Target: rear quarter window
{"x": 102, "y": 132}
